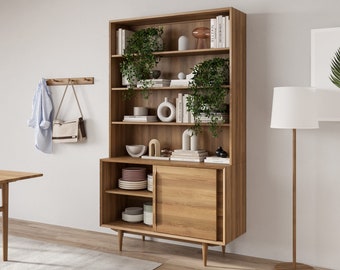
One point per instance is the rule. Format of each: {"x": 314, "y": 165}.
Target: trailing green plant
{"x": 208, "y": 92}
{"x": 335, "y": 69}
{"x": 139, "y": 60}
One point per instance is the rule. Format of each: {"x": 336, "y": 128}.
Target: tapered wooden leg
{"x": 204, "y": 253}
{"x": 120, "y": 240}
{"x": 143, "y": 237}
{"x": 223, "y": 249}
{"x": 5, "y": 220}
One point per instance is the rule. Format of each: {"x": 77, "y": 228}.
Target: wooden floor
{"x": 172, "y": 257}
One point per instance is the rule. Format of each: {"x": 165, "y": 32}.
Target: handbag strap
{"x": 62, "y": 99}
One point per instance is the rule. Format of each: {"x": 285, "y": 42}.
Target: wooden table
{"x": 7, "y": 177}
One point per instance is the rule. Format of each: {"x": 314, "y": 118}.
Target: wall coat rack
{"x": 75, "y": 81}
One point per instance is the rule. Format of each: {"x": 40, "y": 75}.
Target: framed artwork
{"x": 324, "y": 43}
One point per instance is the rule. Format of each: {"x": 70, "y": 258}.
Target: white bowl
{"x": 132, "y": 218}
{"x": 136, "y": 150}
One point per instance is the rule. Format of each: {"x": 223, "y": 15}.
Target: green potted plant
{"x": 335, "y": 69}
{"x": 208, "y": 92}
{"x": 138, "y": 58}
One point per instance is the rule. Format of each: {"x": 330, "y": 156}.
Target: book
{"x": 192, "y": 153}
{"x": 137, "y": 118}
{"x": 182, "y": 82}
{"x": 118, "y": 41}
{"x": 126, "y": 34}
{"x": 122, "y": 38}
{"x": 213, "y": 33}
{"x": 215, "y": 159}
{"x": 219, "y": 24}
{"x": 179, "y": 108}
{"x": 186, "y": 113}
{"x": 227, "y": 32}
{"x": 194, "y": 159}
{"x": 155, "y": 83}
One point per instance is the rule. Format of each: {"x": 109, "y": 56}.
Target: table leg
{"x": 5, "y": 220}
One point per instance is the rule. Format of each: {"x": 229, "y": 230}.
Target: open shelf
{"x": 136, "y": 193}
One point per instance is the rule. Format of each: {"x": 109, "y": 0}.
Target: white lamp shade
{"x": 294, "y": 108}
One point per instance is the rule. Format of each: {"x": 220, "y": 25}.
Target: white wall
{"x": 62, "y": 38}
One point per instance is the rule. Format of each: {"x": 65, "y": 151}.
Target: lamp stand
{"x": 293, "y": 265}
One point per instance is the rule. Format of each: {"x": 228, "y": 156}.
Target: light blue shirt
{"x": 42, "y": 117}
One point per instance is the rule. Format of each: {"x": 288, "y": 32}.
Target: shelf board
{"x": 209, "y": 51}
{"x": 153, "y": 88}
{"x": 161, "y": 123}
{"x": 142, "y": 161}
{"x": 173, "y": 88}
{"x": 128, "y": 226}
{"x": 136, "y": 193}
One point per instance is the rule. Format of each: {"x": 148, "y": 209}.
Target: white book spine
{"x": 119, "y": 41}
{"x": 126, "y": 34}
{"x": 186, "y": 118}
{"x": 213, "y": 33}
{"x": 179, "y": 108}
{"x": 227, "y": 32}
{"x": 219, "y": 31}
{"x": 223, "y": 39}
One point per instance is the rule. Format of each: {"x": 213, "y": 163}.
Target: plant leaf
{"x": 335, "y": 69}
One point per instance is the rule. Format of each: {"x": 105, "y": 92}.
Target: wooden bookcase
{"x": 195, "y": 202}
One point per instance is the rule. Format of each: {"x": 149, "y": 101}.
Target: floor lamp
{"x": 294, "y": 108}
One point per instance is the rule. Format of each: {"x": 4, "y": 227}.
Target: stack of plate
{"x": 133, "y": 214}
{"x": 133, "y": 178}
{"x": 134, "y": 173}
{"x": 148, "y": 213}
{"x": 150, "y": 182}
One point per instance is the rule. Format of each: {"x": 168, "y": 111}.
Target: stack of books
{"x": 215, "y": 159}
{"x": 182, "y": 113}
{"x": 220, "y": 32}
{"x": 189, "y": 155}
{"x": 123, "y": 36}
{"x": 137, "y": 118}
{"x": 221, "y": 118}
{"x": 156, "y": 83}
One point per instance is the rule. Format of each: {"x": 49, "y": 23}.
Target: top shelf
{"x": 177, "y": 17}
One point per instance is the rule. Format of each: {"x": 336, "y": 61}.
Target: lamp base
{"x": 290, "y": 266}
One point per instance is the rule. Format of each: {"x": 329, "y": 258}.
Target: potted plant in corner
{"x": 139, "y": 60}
{"x": 208, "y": 93}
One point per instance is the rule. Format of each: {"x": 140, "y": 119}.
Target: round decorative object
{"x": 166, "y": 111}
{"x": 136, "y": 150}
{"x": 140, "y": 111}
{"x": 221, "y": 153}
{"x": 183, "y": 43}
{"x": 202, "y": 34}
{"x": 181, "y": 76}
{"x": 155, "y": 73}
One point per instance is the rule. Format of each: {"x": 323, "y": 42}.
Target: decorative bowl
{"x": 136, "y": 150}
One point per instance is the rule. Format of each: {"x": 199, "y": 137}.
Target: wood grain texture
{"x": 186, "y": 202}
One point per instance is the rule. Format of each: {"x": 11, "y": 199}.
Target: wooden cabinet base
{"x": 120, "y": 236}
